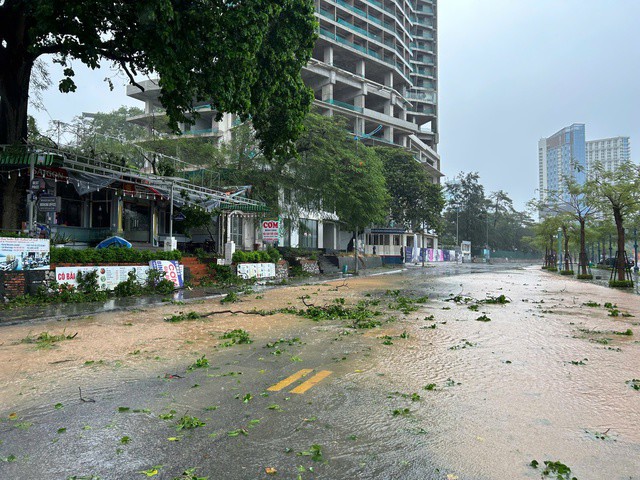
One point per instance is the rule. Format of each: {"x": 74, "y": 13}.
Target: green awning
{"x": 244, "y": 207}
{"x": 15, "y": 158}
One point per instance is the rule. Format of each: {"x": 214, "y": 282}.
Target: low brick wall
{"x": 14, "y": 284}
{"x": 309, "y": 266}
{"x": 282, "y": 270}
{"x": 363, "y": 262}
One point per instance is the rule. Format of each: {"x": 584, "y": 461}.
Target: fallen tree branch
{"x": 87, "y": 400}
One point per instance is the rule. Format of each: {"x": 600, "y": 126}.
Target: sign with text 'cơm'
{"x": 173, "y": 271}
{"x": 270, "y": 231}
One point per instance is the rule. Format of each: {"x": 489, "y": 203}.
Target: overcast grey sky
{"x": 511, "y": 72}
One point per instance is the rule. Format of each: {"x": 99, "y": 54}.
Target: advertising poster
{"x": 108, "y": 277}
{"x": 256, "y": 270}
{"x": 173, "y": 271}
{"x": 270, "y": 230}
{"x": 23, "y": 254}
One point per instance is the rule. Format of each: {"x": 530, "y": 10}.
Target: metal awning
{"x": 99, "y": 173}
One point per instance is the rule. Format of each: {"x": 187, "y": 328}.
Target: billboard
{"x": 173, "y": 271}
{"x": 24, "y": 254}
{"x": 108, "y": 277}
{"x": 270, "y": 231}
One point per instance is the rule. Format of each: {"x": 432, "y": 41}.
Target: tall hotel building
{"x": 609, "y": 152}
{"x": 375, "y": 63}
{"x": 562, "y": 155}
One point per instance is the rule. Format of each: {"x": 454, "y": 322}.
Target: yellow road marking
{"x": 289, "y": 380}
{"x": 317, "y": 378}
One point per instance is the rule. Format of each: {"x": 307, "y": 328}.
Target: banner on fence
{"x": 256, "y": 270}
{"x": 108, "y": 277}
{"x": 23, "y": 254}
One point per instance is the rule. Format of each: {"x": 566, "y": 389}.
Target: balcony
{"x": 423, "y": 96}
{"x": 348, "y": 106}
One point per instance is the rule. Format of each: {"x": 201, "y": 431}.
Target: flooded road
{"x": 432, "y": 393}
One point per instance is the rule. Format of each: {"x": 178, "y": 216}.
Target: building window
{"x": 286, "y": 237}
{"x": 236, "y": 230}
{"x": 308, "y": 233}
{"x": 100, "y": 210}
{"x": 71, "y": 206}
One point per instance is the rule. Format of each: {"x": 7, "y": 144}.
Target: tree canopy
{"x": 242, "y": 57}
{"x": 416, "y": 202}
{"x": 472, "y": 215}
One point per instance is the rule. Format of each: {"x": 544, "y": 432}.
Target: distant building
{"x": 562, "y": 155}
{"x": 609, "y": 152}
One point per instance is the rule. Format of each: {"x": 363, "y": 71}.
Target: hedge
{"x": 586, "y": 276}
{"x": 94, "y": 256}
{"x": 270, "y": 256}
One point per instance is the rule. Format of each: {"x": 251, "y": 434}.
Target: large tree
{"x": 241, "y": 57}
{"x": 244, "y": 57}
{"x": 467, "y": 209}
{"x": 416, "y": 202}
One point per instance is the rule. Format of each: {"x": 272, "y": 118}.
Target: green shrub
{"x": 621, "y": 283}
{"x": 164, "y": 287}
{"x": 586, "y": 276}
{"x": 129, "y": 287}
{"x": 566, "y": 272}
{"x": 88, "y": 282}
{"x": 274, "y": 254}
{"x": 552, "y": 269}
{"x": 109, "y": 255}
{"x": 239, "y": 257}
{"x": 223, "y": 274}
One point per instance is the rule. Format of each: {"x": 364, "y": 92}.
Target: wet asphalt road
{"x": 121, "y": 434}
{"x": 360, "y": 415}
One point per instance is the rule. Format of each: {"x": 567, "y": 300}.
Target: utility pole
{"x": 355, "y": 249}
{"x": 171, "y": 217}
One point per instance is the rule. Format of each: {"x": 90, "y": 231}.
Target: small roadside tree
{"x": 618, "y": 192}
{"x": 572, "y": 202}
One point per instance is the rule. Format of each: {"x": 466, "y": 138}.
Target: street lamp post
{"x": 559, "y": 248}
{"x": 457, "y": 210}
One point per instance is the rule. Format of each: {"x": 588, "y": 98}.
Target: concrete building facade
{"x": 562, "y": 155}
{"x": 375, "y": 62}
{"x": 609, "y": 152}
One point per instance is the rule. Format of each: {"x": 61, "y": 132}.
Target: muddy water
{"x": 507, "y": 390}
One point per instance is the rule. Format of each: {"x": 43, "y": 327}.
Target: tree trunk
{"x": 620, "y": 260}
{"x": 566, "y": 247}
{"x": 583, "y": 250}
{"x": 15, "y": 72}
